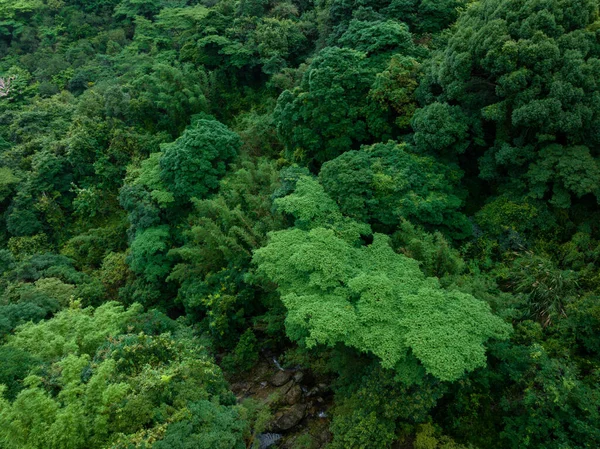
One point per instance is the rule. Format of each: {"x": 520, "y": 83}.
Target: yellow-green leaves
{"x": 370, "y": 298}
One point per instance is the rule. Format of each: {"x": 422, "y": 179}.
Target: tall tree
{"x": 368, "y": 297}
{"x": 384, "y": 183}
{"x": 192, "y": 165}
{"x": 517, "y": 90}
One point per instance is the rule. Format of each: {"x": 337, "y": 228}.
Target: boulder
{"x": 288, "y": 418}
{"x": 294, "y": 395}
{"x": 280, "y": 378}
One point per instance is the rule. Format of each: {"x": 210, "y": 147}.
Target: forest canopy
{"x": 300, "y": 224}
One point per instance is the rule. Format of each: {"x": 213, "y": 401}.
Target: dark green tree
{"x": 515, "y": 87}
{"x": 329, "y": 113}
{"x": 192, "y": 165}
{"x": 385, "y": 183}
{"x": 215, "y": 258}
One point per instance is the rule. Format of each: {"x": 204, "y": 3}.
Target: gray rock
{"x": 294, "y": 395}
{"x": 240, "y": 387}
{"x": 325, "y": 437}
{"x": 280, "y": 378}
{"x": 298, "y": 376}
{"x": 283, "y": 390}
{"x": 291, "y": 417}
{"x": 313, "y": 392}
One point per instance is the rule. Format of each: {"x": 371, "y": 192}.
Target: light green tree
{"x": 114, "y": 389}
{"x": 369, "y": 297}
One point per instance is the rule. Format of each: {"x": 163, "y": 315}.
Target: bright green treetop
{"x": 113, "y": 389}
{"x": 370, "y": 298}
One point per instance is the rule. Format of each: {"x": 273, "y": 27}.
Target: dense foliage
{"x": 398, "y": 197}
